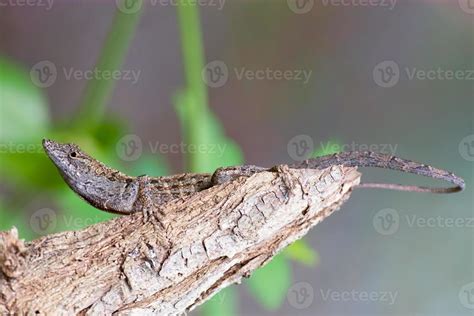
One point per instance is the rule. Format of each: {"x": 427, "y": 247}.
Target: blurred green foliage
{"x": 28, "y": 174}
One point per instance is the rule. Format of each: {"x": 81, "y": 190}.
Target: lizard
{"x": 113, "y": 191}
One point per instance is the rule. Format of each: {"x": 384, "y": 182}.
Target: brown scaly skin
{"x": 112, "y": 191}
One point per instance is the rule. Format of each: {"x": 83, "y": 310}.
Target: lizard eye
{"x": 73, "y": 154}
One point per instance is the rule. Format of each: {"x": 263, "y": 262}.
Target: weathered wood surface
{"x": 211, "y": 240}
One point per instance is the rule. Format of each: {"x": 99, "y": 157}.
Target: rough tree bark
{"x": 211, "y": 240}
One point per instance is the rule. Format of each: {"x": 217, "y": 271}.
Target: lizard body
{"x": 112, "y": 191}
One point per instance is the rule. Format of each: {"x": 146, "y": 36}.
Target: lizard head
{"x": 68, "y": 158}
{"x": 101, "y": 186}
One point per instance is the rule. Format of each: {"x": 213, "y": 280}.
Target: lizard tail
{"x": 377, "y": 160}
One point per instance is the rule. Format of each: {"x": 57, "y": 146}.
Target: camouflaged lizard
{"x": 112, "y": 191}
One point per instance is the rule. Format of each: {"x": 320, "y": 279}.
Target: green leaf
{"x": 205, "y": 131}
{"x": 108, "y": 132}
{"x": 26, "y": 165}
{"x": 24, "y": 120}
{"x": 23, "y": 110}
{"x": 75, "y": 213}
{"x": 270, "y": 283}
{"x": 152, "y": 165}
{"x": 10, "y": 218}
{"x": 223, "y": 303}
{"x": 302, "y": 252}
{"x": 6, "y": 218}
{"x": 98, "y": 90}
{"x": 331, "y": 147}
{"x": 199, "y": 125}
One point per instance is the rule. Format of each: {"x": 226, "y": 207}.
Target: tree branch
{"x": 211, "y": 240}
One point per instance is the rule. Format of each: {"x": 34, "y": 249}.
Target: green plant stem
{"x": 98, "y": 90}
{"x": 195, "y": 93}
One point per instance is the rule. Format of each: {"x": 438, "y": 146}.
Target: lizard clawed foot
{"x": 149, "y": 210}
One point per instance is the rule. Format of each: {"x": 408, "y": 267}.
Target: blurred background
{"x": 161, "y": 87}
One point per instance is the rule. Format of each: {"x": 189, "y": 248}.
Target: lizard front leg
{"x": 147, "y": 203}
